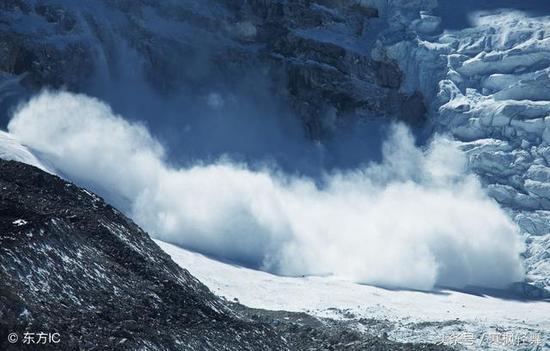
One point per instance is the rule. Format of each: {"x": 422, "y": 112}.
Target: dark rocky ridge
{"x": 72, "y": 264}
{"x": 78, "y": 267}
{"x": 315, "y": 55}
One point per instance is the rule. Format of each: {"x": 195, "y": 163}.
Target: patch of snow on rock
{"x": 19, "y": 222}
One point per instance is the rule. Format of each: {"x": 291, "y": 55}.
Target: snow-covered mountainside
{"x": 12, "y": 150}
{"x": 73, "y": 265}
{"x": 486, "y": 84}
{"x": 431, "y": 317}
{"x": 477, "y": 72}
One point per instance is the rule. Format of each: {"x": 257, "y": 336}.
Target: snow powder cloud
{"x": 415, "y": 220}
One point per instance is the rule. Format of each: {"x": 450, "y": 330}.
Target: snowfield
{"x": 404, "y": 315}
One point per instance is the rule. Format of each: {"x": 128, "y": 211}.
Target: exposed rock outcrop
{"x": 74, "y": 265}
{"x": 314, "y": 54}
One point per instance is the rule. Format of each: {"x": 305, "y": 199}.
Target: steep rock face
{"x": 74, "y": 265}
{"x": 324, "y": 49}
{"x": 314, "y": 54}
{"x": 30, "y": 50}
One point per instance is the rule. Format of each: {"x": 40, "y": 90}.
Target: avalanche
{"x": 490, "y": 89}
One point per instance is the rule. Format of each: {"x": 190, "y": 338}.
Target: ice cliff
{"x": 489, "y": 87}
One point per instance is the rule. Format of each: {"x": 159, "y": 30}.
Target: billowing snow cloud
{"x": 415, "y": 220}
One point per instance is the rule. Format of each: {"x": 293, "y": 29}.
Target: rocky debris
{"x": 73, "y": 265}
{"x": 305, "y": 332}
{"x": 315, "y": 54}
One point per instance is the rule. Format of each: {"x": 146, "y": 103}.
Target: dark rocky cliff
{"x": 313, "y": 55}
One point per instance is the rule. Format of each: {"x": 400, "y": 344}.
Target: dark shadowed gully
{"x": 71, "y": 264}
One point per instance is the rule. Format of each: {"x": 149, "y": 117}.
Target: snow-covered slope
{"x": 11, "y": 149}
{"x": 487, "y": 84}
{"x": 404, "y": 315}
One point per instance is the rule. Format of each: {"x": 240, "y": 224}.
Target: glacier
{"x": 489, "y": 87}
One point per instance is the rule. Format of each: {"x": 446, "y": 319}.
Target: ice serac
{"x": 489, "y": 87}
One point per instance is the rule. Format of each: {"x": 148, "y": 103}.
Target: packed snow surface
{"x": 412, "y": 315}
